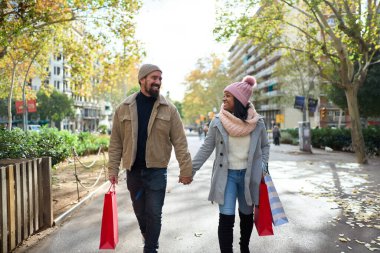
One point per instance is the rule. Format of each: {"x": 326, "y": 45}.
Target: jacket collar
{"x": 132, "y": 98}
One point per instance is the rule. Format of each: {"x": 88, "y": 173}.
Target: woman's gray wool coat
{"x": 217, "y": 137}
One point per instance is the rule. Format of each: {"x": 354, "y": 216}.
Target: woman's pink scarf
{"x": 234, "y": 126}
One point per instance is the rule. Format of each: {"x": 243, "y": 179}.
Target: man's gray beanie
{"x": 146, "y": 69}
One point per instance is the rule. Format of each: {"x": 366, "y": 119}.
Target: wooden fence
{"x": 25, "y": 200}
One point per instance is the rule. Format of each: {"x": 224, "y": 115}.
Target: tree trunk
{"x": 10, "y": 98}
{"x": 356, "y": 128}
{"x": 3, "y": 52}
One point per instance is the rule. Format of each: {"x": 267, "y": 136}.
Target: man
{"x": 276, "y": 135}
{"x": 145, "y": 127}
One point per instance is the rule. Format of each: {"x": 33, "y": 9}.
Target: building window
{"x": 57, "y": 71}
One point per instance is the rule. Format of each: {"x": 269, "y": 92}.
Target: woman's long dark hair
{"x": 240, "y": 111}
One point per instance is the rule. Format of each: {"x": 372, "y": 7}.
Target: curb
{"x": 63, "y": 216}
{"x": 89, "y": 197}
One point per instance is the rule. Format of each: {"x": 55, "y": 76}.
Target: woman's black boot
{"x": 225, "y": 232}
{"x": 246, "y": 226}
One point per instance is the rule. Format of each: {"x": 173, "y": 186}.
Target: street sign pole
{"x": 24, "y": 110}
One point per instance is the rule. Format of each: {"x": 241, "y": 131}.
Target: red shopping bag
{"x": 109, "y": 236}
{"x": 263, "y": 215}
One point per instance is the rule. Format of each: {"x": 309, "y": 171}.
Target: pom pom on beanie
{"x": 250, "y": 80}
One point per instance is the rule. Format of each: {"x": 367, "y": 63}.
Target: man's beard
{"x": 153, "y": 92}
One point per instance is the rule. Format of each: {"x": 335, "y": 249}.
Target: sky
{"x": 175, "y": 34}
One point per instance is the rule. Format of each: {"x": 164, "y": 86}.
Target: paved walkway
{"x": 332, "y": 204}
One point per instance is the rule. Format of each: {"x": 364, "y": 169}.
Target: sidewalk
{"x": 331, "y": 202}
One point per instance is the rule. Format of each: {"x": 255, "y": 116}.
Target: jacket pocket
{"x": 125, "y": 117}
{"x": 126, "y": 128}
{"x": 162, "y": 123}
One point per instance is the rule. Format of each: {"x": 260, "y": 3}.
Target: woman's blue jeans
{"x": 235, "y": 189}
{"x": 147, "y": 190}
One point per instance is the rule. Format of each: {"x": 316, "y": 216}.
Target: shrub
{"x": 293, "y": 132}
{"x": 102, "y": 129}
{"x": 286, "y": 138}
{"x": 372, "y": 140}
{"x": 49, "y": 142}
{"x": 12, "y": 144}
{"x": 54, "y": 143}
{"x": 337, "y": 139}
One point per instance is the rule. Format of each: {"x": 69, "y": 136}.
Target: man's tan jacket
{"x": 165, "y": 129}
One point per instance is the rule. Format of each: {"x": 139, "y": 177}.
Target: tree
{"x": 34, "y": 21}
{"x": 119, "y": 78}
{"x": 298, "y": 78}
{"x": 205, "y": 86}
{"x": 53, "y": 105}
{"x": 367, "y": 94}
{"x": 340, "y": 37}
{"x": 22, "y": 61}
{"x": 179, "y": 106}
{"x": 22, "y": 17}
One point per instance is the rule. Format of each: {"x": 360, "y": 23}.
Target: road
{"x": 332, "y": 204}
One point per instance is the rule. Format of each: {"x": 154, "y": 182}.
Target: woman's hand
{"x": 185, "y": 180}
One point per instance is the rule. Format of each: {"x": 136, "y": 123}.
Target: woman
{"x": 242, "y": 150}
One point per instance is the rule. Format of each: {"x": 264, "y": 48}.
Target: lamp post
{"x": 78, "y": 115}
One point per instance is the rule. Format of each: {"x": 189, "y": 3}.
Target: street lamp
{"x": 78, "y": 115}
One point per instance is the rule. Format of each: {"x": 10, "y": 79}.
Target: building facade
{"x": 89, "y": 112}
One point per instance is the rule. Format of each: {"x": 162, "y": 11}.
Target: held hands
{"x": 185, "y": 180}
{"x": 113, "y": 179}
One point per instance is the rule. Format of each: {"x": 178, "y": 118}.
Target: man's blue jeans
{"x": 147, "y": 190}
{"x": 235, "y": 189}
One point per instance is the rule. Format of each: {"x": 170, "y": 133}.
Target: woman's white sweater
{"x": 238, "y": 148}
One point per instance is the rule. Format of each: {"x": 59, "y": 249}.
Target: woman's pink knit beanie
{"x": 242, "y": 91}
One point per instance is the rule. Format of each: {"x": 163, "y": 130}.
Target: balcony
{"x": 269, "y": 107}
{"x": 267, "y": 83}
{"x": 251, "y": 49}
{"x": 266, "y": 72}
{"x": 275, "y": 93}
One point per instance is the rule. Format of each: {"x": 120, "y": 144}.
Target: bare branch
{"x": 55, "y": 22}
{"x": 354, "y": 33}
{"x": 348, "y": 9}
{"x": 376, "y": 62}
{"x": 302, "y": 30}
{"x": 298, "y": 9}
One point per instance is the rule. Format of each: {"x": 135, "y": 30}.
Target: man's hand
{"x": 113, "y": 179}
{"x": 185, "y": 180}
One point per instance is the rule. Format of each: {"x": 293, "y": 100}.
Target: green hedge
{"x": 49, "y": 142}
{"x": 337, "y": 139}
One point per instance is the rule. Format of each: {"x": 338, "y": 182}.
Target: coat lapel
{"x": 223, "y": 132}
{"x": 253, "y": 143}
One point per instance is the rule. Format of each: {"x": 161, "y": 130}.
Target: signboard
{"x": 19, "y": 107}
{"x": 299, "y": 103}
{"x": 312, "y": 103}
{"x": 280, "y": 118}
{"x": 31, "y": 106}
